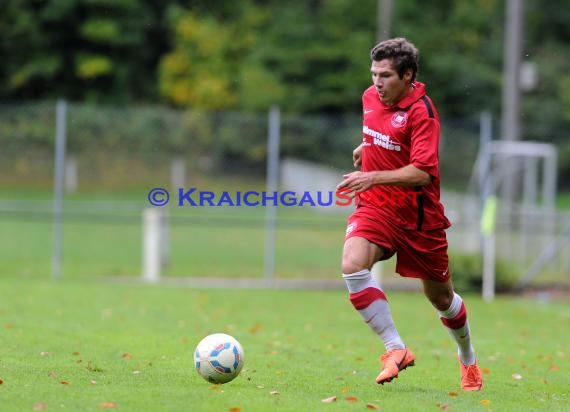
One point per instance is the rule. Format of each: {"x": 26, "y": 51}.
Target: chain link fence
{"x": 116, "y": 155}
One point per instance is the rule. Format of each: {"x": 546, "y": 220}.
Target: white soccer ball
{"x": 218, "y": 358}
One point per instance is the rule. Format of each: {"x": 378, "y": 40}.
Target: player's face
{"x": 391, "y": 89}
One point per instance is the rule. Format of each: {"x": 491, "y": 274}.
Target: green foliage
{"x": 100, "y": 30}
{"x": 213, "y": 64}
{"x": 229, "y": 140}
{"x": 305, "y": 56}
{"x": 104, "y": 50}
{"x": 467, "y": 269}
{"x": 196, "y": 73}
{"x": 256, "y": 60}
{"x": 460, "y": 56}
{"x": 565, "y": 95}
{"x": 92, "y": 66}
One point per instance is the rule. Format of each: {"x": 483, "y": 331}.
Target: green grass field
{"x": 202, "y": 243}
{"x": 90, "y": 346}
{"x": 102, "y": 237}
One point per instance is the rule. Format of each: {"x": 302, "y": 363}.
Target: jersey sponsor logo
{"x": 366, "y": 111}
{"x": 382, "y": 140}
{"x": 399, "y": 119}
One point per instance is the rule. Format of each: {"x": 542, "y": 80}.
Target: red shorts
{"x": 419, "y": 254}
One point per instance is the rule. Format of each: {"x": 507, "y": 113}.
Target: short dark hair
{"x": 404, "y": 54}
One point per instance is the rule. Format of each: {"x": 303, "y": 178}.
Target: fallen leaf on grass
{"x": 517, "y": 376}
{"x": 485, "y": 371}
{"x": 8, "y": 326}
{"x": 545, "y": 358}
{"x": 260, "y": 387}
{"x": 553, "y": 368}
{"x": 63, "y": 382}
{"x": 52, "y": 374}
{"x": 127, "y": 355}
{"x": 235, "y": 409}
{"x": 93, "y": 382}
{"x": 274, "y": 393}
{"x": 75, "y": 353}
{"x": 443, "y": 406}
{"x": 330, "y": 399}
{"x": 351, "y": 399}
{"x": 40, "y": 406}
{"x": 1, "y": 381}
{"x": 485, "y": 402}
{"x": 91, "y": 367}
{"x": 372, "y": 406}
{"x": 256, "y": 328}
{"x": 44, "y": 353}
{"x": 453, "y": 394}
{"x": 107, "y": 405}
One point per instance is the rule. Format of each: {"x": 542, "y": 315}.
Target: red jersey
{"x": 394, "y": 137}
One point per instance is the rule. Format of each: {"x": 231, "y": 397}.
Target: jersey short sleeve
{"x": 424, "y": 151}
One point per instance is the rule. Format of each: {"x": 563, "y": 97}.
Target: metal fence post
{"x": 58, "y": 184}
{"x": 273, "y": 137}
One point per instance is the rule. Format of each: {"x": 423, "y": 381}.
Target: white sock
{"x": 370, "y": 301}
{"x": 455, "y": 320}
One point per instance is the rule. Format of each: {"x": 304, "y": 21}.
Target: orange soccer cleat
{"x": 394, "y": 361}
{"x": 471, "y": 379}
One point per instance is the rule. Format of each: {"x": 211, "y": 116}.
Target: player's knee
{"x": 441, "y": 301}
{"x": 350, "y": 265}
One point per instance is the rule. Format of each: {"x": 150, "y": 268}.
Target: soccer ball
{"x": 218, "y": 358}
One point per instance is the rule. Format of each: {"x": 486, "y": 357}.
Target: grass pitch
{"x": 86, "y": 346}
{"x": 109, "y": 243}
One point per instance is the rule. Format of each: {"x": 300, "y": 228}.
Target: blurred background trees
{"x": 308, "y": 56}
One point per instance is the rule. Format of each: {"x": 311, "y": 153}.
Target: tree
{"x": 213, "y": 63}
{"x": 105, "y": 50}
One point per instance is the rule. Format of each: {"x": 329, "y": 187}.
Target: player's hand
{"x": 357, "y": 181}
{"x": 357, "y": 156}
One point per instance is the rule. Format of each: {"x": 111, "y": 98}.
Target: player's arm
{"x": 405, "y": 176}
{"x": 357, "y": 156}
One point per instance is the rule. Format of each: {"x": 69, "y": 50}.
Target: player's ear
{"x": 408, "y": 75}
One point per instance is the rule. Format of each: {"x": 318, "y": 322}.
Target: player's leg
{"x": 453, "y": 315}
{"x": 364, "y": 291}
{"x": 370, "y": 301}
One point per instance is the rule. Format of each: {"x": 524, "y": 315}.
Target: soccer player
{"x": 399, "y": 160}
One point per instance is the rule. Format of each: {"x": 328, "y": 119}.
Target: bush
{"x": 467, "y": 273}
